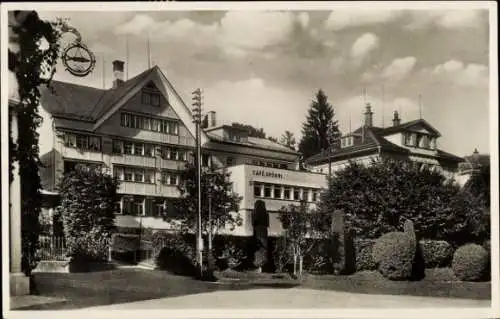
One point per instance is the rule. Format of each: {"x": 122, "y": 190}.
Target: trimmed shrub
{"x": 363, "y": 254}
{"x": 229, "y": 251}
{"x": 436, "y": 253}
{"x": 174, "y": 252}
{"x": 471, "y": 263}
{"x": 394, "y": 254}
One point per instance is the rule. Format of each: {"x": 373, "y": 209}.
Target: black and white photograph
{"x": 239, "y": 159}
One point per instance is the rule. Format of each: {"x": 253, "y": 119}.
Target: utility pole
{"x": 197, "y": 103}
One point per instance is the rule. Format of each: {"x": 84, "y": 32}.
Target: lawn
{"x": 123, "y": 285}
{"x": 437, "y": 283}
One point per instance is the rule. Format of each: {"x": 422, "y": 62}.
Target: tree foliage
{"x": 88, "y": 199}
{"x": 479, "y": 183}
{"x": 288, "y": 139}
{"x": 33, "y": 67}
{"x": 319, "y": 131}
{"x": 379, "y": 197}
{"x": 224, "y": 202}
{"x": 252, "y": 131}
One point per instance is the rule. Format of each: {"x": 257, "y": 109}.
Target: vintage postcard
{"x": 239, "y": 159}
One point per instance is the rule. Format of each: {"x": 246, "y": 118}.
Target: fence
{"x": 52, "y": 248}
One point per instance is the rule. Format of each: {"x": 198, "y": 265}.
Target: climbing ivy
{"x": 33, "y": 67}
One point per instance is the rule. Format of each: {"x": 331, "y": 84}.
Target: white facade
{"x": 146, "y": 146}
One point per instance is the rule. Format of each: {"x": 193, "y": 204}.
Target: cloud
{"x": 399, "y": 69}
{"x": 364, "y": 45}
{"x": 138, "y": 25}
{"x": 448, "y": 19}
{"x": 237, "y": 34}
{"x": 342, "y": 19}
{"x": 254, "y": 31}
{"x": 457, "y": 73}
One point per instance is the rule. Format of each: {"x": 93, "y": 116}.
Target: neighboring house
{"x": 415, "y": 141}
{"x": 471, "y": 166}
{"x": 142, "y": 132}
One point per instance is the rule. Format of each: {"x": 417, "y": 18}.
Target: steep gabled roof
{"x": 78, "y": 102}
{"x": 371, "y": 141}
{"x": 407, "y": 126}
{"x": 85, "y": 108}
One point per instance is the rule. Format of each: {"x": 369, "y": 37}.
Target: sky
{"x": 264, "y": 68}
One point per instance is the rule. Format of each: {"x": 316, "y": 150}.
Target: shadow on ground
{"x": 117, "y": 286}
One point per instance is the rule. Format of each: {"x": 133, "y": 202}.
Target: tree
{"x": 296, "y": 222}
{"x": 252, "y": 131}
{"x": 288, "y": 139}
{"x": 272, "y": 139}
{"x": 224, "y": 202}
{"x": 88, "y": 207}
{"x": 319, "y": 126}
{"x": 479, "y": 183}
{"x": 378, "y": 199}
{"x": 32, "y": 67}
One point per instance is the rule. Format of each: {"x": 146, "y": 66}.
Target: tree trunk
{"x": 301, "y": 259}
{"x": 294, "y": 264}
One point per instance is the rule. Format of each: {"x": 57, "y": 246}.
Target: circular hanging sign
{"x": 78, "y": 59}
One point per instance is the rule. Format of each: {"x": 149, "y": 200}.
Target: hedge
{"x": 363, "y": 254}
{"x": 471, "y": 263}
{"x": 436, "y": 253}
{"x": 394, "y": 255}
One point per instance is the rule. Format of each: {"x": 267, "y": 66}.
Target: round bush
{"x": 364, "y": 259}
{"x": 470, "y": 262}
{"x": 436, "y": 253}
{"x": 394, "y": 253}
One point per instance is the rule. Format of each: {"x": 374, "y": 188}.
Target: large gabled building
{"x": 416, "y": 141}
{"x": 142, "y": 132}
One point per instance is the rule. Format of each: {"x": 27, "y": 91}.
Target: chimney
{"x": 396, "y": 120}
{"x": 118, "y": 73}
{"x": 368, "y": 116}
{"x": 212, "y": 119}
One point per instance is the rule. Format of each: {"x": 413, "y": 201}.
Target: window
{"x": 138, "y": 176}
{"x": 205, "y": 159}
{"x": 267, "y": 191}
{"x": 138, "y": 149}
{"x": 277, "y": 191}
{"x": 149, "y": 150}
{"x": 158, "y": 209}
{"x": 173, "y": 154}
{"x": 229, "y": 161}
{"x": 138, "y": 207}
{"x": 314, "y": 196}
{"x": 128, "y": 148}
{"x": 81, "y": 142}
{"x": 169, "y": 178}
{"x": 148, "y": 177}
{"x": 128, "y": 176}
{"x": 117, "y": 147}
{"x": 155, "y": 125}
{"x": 283, "y": 166}
{"x": 255, "y": 162}
{"x": 425, "y": 141}
{"x": 150, "y": 98}
{"x": 287, "y": 193}
{"x": 173, "y": 180}
{"x": 147, "y": 124}
{"x": 174, "y": 128}
{"x": 418, "y": 140}
{"x": 256, "y": 190}
{"x": 407, "y": 137}
{"x": 94, "y": 143}
{"x": 164, "y": 126}
{"x": 296, "y": 194}
{"x": 182, "y": 156}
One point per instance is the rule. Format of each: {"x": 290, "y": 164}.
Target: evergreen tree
{"x": 319, "y": 127}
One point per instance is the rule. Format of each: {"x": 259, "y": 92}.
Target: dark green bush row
{"x": 363, "y": 252}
